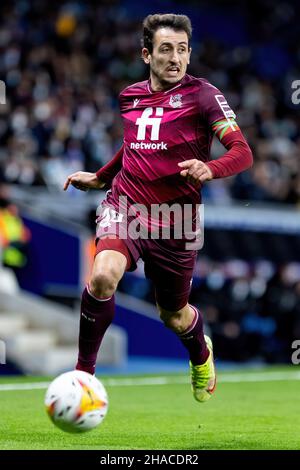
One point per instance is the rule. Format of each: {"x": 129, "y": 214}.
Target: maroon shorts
{"x": 167, "y": 263}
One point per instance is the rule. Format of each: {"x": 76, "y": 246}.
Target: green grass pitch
{"x": 249, "y": 410}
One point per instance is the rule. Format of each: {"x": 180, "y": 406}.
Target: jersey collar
{"x": 166, "y": 91}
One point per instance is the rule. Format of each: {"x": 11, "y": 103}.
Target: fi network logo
{"x": 154, "y": 122}
{"x": 148, "y": 120}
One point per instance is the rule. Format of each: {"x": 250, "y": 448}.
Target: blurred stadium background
{"x": 64, "y": 64}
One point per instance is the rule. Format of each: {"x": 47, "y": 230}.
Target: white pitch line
{"x": 123, "y": 382}
{"x": 261, "y": 377}
{"x": 25, "y": 386}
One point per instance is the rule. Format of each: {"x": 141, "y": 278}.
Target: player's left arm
{"x": 238, "y": 157}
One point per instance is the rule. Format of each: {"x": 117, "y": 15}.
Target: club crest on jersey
{"x": 175, "y": 101}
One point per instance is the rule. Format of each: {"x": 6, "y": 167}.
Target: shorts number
{"x": 109, "y": 216}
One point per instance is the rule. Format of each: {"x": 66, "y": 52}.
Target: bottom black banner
{"x": 137, "y": 458}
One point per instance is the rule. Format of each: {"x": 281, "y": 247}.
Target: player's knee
{"x": 104, "y": 284}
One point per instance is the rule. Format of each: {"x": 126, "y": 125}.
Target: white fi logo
{"x": 2, "y": 352}
{"x": 145, "y": 120}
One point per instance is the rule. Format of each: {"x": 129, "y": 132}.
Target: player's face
{"x": 169, "y": 58}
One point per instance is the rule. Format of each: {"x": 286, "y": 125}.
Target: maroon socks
{"x": 194, "y": 341}
{"x": 95, "y": 317}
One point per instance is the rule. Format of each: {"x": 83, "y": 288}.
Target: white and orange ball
{"x": 76, "y": 401}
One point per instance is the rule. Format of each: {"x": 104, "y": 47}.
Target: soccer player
{"x": 169, "y": 122}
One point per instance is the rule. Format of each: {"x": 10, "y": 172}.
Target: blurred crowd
{"x": 64, "y": 64}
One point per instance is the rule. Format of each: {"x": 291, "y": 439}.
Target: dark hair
{"x": 153, "y": 22}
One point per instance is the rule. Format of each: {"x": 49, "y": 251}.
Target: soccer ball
{"x": 76, "y": 401}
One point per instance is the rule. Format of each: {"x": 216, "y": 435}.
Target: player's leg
{"x": 187, "y": 323}
{"x": 171, "y": 270}
{"x": 97, "y": 304}
{"x": 170, "y": 267}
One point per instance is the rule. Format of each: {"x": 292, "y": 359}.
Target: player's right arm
{"x": 107, "y": 173}
{"x": 84, "y": 180}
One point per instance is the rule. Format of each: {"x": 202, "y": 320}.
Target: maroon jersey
{"x": 163, "y": 128}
